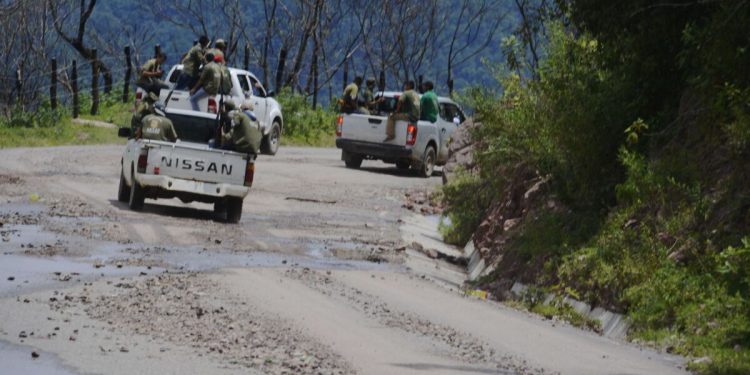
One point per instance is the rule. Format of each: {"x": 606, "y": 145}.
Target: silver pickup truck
{"x": 187, "y": 169}
{"x": 419, "y": 146}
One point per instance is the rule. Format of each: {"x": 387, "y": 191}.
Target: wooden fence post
{"x": 94, "y": 83}
{"x": 74, "y": 85}
{"x": 346, "y": 73}
{"x": 128, "y": 72}
{"x": 280, "y": 69}
{"x": 381, "y": 82}
{"x": 247, "y": 56}
{"x": 53, "y": 85}
{"x": 315, "y": 79}
{"x": 19, "y": 87}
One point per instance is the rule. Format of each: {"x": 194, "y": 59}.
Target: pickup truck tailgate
{"x": 197, "y": 162}
{"x": 366, "y": 128}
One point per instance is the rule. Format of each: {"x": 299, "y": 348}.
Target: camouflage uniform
{"x": 349, "y": 98}
{"x": 408, "y": 110}
{"x": 158, "y": 128}
{"x": 244, "y": 135}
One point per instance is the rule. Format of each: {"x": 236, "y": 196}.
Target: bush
{"x": 304, "y": 125}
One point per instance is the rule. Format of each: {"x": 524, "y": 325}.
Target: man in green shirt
{"x": 407, "y": 109}
{"x": 349, "y": 98}
{"x": 243, "y": 133}
{"x": 191, "y": 64}
{"x": 429, "y": 103}
{"x": 208, "y": 84}
{"x": 158, "y": 128}
{"x": 149, "y": 74}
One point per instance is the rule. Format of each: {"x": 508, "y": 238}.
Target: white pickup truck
{"x": 420, "y": 146}
{"x": 187, "y": 169}
{"x": 202, "y": 122}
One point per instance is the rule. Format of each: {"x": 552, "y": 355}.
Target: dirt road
{"x": 314, "y": 279}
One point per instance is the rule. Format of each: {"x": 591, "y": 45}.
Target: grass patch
{"x": 64, "y": 133}
{"x": 533, "y": 300}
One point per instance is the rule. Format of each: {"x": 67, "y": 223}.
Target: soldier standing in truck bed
{"x": 191, "y": 64}
{"x": 220, "y": 48}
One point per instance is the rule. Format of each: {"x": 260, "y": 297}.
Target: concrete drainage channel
{"x": 426, "y": 248}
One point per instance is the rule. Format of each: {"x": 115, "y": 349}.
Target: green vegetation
{"x": 640, "y": 118}
{"x": 47, "y": 127}
{"x": 304, "y": 126}
{"x": 533, "y": 300}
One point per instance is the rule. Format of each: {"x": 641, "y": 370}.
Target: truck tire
{"x": 137, "y": 195}
{"x": 428, "y": 162}
{"x": 270, "y": 144}
{"x": 234, "y": 209}
{"x": 220, "y": 208}
{"x": 353, "y": 161}
{"x": 123, "y": 193}
{"x": 403, "y": 164}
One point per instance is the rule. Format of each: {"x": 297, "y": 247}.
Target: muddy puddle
{"x": 32, "y": 259}
{"x": 17, "y": 359}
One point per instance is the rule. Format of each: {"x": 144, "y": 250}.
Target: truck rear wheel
{"x": 234, "y": 209}
{"x": 428, "y": 162}
{"x": 353, "y": 161}
{"x": 137, "y": 195}
{"x": 270, "y": 143}
{"x": 123, "y": 193}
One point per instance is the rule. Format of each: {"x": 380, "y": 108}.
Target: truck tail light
{"x": 339, "y": 125}
{"x": 249, "y": 174}
{"x": 411, "y": 134}
{"x": 143, "y": 160}
{"x": 212, "y": 105}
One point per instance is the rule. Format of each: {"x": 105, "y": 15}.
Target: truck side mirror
{"x": 271, "y": 94}
{"x": 124, "y": 132}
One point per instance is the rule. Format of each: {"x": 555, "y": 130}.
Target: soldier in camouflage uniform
{"x": 242, "y": 133}
{"x": 144, "y": 108}
{"x": 208, "y": 84}
{"x": 149, "y": 74}
{"x": 191, "y": 64}
{"x": 348, "y": 102}
{"x": 158, "y": 128}
{"x": 407, "y": 109}
{"x": 220, "y": 46}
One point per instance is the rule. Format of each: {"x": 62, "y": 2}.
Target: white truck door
{"x": 445, "y": 127}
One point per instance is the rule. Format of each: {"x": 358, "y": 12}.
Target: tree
{"x": 62, "y": 15}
